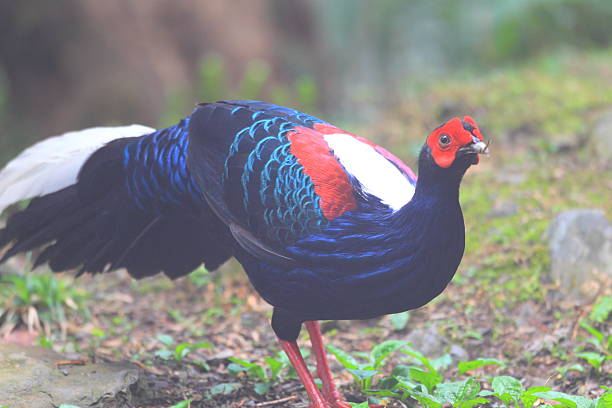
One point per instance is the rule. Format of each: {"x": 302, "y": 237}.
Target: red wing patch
{"x": 331, "y": 183}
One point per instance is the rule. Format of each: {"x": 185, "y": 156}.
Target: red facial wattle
{"x": 444, "y": 154}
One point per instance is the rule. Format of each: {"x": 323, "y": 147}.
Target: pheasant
{"x": 326, "y": 224}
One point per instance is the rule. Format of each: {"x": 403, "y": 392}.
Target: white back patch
{"x": 377, "y": 175}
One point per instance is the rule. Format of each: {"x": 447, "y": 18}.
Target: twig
{"x": 69, "y": 362}
{"x": 274, "y": 402}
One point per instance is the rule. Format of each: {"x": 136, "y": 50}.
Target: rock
{"x": 600, "y": 139}
{"x": 503, "y": 209}
{"x": 30, "y": 379}
{"x": 580, "y": 243}
{"x": 458, "y": 353}
{"x": 427, "y": 340}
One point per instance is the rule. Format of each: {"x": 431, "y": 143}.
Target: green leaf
{"x": 594, "y": 359}
{"x": 426, "y": 399}
{"x": 99, "y": 333}
{"x": 387, "y": 383}
{"x": 400, "y": 320}
{"x": 343, "y": 358}
{"x": 472, "y": 402}
{"x": 465, "y": 366}
{"x": 182, "y": 350}
{"x": 601, "y": 309}
{"x": 261, "y": 388}
{"x": 419, "y": 357}
{"x": 362, "y": 374}
{"x": 594, "y": 332}
{"x": 183, "y": 404}
{"x": 406, "y": 383}
{"x": 235, "y": 369}
{"x": 224, "y": 388}
{"x": 360, "y": 405}
{"x": 381, "y": 351}
{"x": 573, "y": 367}
{"x": 165, "y": 339}
{"x": 507, "y": 388}
{"x": 428, "y": 379}
{"x": 275, "y": 366}
{"x": 571, "y": 401}
{"x": 164, "y": 354}
{"x": 605, "y": 401}
{"x": 528, "y": 398}
{"x": 442, "y": 363}
{"x": 401, "y": 370}
{"x": 457, "y": 392}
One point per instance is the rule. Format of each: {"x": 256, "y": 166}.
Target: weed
{"x": 601, "y": 309}
{"x": 265, "y": 375}
{"x": 598, "y": 347}
{"x": 41, "y": 301}
{"x": 179, "y": 351}
{"x": 421, "y": 380}
{"x": 183, "y": 404}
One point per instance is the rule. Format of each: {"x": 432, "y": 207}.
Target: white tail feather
{"x": 54, "y": 163}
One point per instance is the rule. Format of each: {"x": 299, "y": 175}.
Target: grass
{"x": 39, "y": 301}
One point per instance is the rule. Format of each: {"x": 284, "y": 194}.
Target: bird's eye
{"x": 444, "y": 140}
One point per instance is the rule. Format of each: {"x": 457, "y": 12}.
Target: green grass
{"x": 40, "y": 301}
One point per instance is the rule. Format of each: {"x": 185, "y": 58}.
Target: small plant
{"x": 364, "y": 371}
{"x": 200, "y": 277}
{"x": 600, "y": 347}
{"x": 601, "y": 309}
{"x": 265, "y": 375}
{"x": 183, "y": 404}
{"x": 179, "y": 351}
{"x": 39, "y": 301}
{"x": 421, "y": 380}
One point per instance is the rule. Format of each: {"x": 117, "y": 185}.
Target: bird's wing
{"x": 275, "y": 175}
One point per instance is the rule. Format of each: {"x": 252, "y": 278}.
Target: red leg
{"x": 330, "y": 392}
{"x": 295, "y": 357}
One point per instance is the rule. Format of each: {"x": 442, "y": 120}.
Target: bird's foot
{"x": 334, "y": 398}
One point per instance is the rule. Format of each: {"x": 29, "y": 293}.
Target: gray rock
{"x": 503, "y": 209}
{"x": 600, "y": 140}
{"x": 458, "y": 353}
{"x": 580, "y": 243}
{"x": 30, "y": 379}
{"x": 428, "y": 341}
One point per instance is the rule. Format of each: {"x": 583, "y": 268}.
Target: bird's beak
{"x": 476, "y": 147}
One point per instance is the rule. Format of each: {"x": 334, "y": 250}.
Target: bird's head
{"x": 456, "y": 144}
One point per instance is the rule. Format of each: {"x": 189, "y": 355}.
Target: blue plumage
{"x": 157, "y": 176}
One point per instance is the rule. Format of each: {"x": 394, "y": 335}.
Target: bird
{"x": 326, "y": 224}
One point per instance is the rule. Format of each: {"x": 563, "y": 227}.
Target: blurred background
{"x": 70, "y": 64}
{"x": 534, "y": 286}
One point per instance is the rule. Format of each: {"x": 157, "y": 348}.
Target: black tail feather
{"x": 94, "y": 226}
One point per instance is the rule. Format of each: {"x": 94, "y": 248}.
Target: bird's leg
{"x": 330, "y": 392}
{"x": 295, "y": 357}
